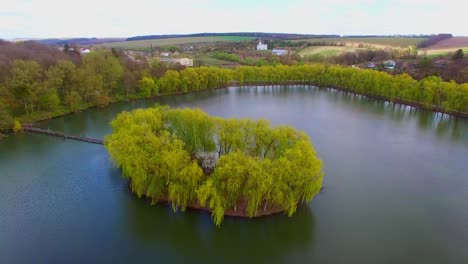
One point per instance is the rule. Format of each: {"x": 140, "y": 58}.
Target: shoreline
{"x": 239, "y": 213}
{"x": 400, "y": 101}
{"x": 414, "y": 104}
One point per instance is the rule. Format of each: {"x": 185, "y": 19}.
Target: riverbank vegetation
{"x": 430, "y": 93}
{"x": 33, "y": 88}
{"x": 192, "y": 159}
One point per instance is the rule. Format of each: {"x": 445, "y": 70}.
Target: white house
{"x": 187, "y": 62}
{"x": 261, "y": 46}
{"x": 280, "y": 52}
{"x": 84, "y": 51}
{"x": 371, "y": 65}
{"x": 390, "y": 64}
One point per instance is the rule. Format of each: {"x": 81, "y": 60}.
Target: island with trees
{"x": 235, "y": 167}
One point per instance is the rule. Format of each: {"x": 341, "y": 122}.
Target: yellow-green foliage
{"x": 430, "y": 92}
{"x": 17, "y": 128}
{"x": 256, "y": 163}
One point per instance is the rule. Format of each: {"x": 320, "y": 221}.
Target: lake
{"x": 396, "y": 189}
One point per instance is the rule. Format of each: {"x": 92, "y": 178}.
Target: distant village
{"x": 278, "y": 52}
{"x": 174, "y": 57}
{"x": 271, "y": 51}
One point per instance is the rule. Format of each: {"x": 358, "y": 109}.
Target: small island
{"x": 235, "y": 167}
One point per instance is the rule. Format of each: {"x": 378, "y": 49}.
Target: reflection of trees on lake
{"x": 79, "y": 125}
{"x": 184, "y": 99}
{"x": 443, "y": 126}
{"x": 262, "y": 240}
{"x": 271, "y": 89}
{"x": 450, "y": 126}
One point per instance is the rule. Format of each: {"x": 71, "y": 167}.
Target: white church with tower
{"x": 261, "y": 46}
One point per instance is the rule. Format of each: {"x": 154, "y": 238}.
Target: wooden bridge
{"x": 36, "y": 130}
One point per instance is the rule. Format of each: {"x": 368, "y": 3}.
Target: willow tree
{"x": 147, "y": 86}
{"x": 154, "y": 160}
{"x": 169, "y": 82}
{"x": 258, "y": 168}
{"x": 194, "y": 127}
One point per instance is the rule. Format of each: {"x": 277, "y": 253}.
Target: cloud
{"x": 88, "y": 18}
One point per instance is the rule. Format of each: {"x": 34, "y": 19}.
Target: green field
{"x": 145, "y": 44}
{"x": 210, "y": 61}
{"x": 434, "y": 53}
{"x": 377, "y": 42}
{"x": 327, "y": 51}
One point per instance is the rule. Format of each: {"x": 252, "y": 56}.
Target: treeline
{"x": 351, "y": 58}
{"x": 323, "y": 43}
{"x": 188, "y": 158}
{"x": 187, "y": 80}
{"x": 364, "y": 55}
{"x": 388, "y": 36}
{"x": 30, "y": 91}
{"x": 430, "y": 92}
{"x": 361, "y": 56}
{"x": 302, "y": 43}
{"x": 78, "y": 41}
{"x": 433, "y": 40}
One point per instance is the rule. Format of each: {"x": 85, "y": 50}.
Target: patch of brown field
{"x": 451, "y": 43}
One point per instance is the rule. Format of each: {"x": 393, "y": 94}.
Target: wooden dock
{"x": 48, "y": 132}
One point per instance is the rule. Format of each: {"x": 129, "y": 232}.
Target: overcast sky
{"x": 106, "y": 18}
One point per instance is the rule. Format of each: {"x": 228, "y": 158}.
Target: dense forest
{"x": 51, "y": 82}
{"x": 187, "y": 157}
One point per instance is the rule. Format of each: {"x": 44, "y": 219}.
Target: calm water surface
{"x": 396, "y": 190}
